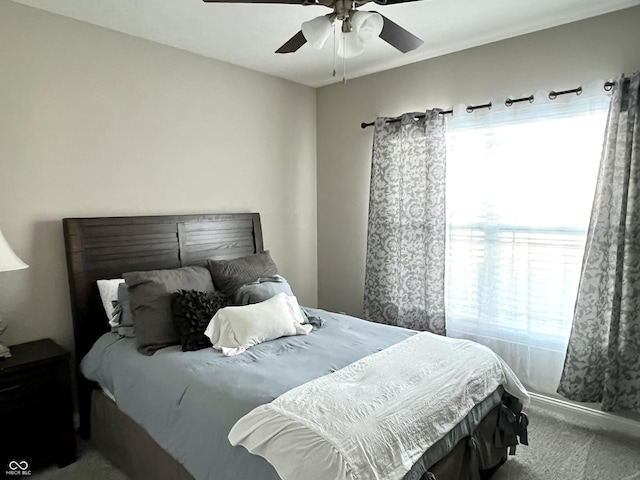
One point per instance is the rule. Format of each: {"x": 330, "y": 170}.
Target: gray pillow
{"x": 261, "y": 290}
{"x": 265, "y": 288}
{"x": 229, "y": 275}
{"x": 150, "y": 296}
{"x": 122, "y": 313}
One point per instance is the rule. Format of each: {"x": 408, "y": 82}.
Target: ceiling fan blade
{"x": 398, "y": 37}
{"x": 294, "y": 2}
{"x": 293, "y": 44}
{"x": 391, "y": 2}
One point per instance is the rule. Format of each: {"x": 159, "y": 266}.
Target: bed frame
{"x": 107, "y": 247}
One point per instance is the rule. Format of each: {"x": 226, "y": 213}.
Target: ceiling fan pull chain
{"x": 335, "y": 46}
{"x": 344, "y": 63}
{"x": 344, "y": 71}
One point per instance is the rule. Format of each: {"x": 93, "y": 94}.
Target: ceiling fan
{"x": 358, "y": 27}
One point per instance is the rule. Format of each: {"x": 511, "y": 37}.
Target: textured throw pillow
{"x": 122, "y": 319}
{"x": 229, "y": 275}
{"x": 234, "y": 329}
{"x": 192, "y": 311}
{"x": 150, "y": 295}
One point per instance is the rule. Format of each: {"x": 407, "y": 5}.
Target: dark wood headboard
{"x": 107, "y": 247}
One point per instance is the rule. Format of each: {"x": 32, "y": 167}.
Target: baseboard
{"x": 587, "y": 415}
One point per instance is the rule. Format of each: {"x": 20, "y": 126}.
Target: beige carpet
{"x": 558, "y": 450}
{"x": 91, "y": 465}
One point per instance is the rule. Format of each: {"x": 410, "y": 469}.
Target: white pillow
{"x": 234, "y": 329}
{"x": 109, "y": 294}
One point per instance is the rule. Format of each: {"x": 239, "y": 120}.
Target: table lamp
{"x": 8, "y": 261}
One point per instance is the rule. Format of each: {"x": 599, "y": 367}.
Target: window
{"x": 520, "y": 185}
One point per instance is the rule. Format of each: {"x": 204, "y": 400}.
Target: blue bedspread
{"x": 188, "y": 401}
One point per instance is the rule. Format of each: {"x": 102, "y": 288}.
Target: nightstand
{"x": 36, "y": 406}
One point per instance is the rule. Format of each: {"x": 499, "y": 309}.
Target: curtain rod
{"x": 608, "y": 86}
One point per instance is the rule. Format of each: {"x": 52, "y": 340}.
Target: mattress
{"x": 189, "y": 401}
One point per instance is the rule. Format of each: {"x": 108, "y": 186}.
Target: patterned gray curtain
{"x": 603, "y": 358}
{"x": 404, "y": 277}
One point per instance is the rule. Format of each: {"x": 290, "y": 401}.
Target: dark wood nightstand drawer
{"x": 31, "y": 386}
{"x": 36, "y": 408}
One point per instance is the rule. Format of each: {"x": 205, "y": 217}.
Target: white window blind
{"x": 520, "y": 184}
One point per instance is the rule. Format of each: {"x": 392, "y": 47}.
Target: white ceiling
{"x": 248, "y": 34}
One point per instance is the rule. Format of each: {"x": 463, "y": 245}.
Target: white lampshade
{"x": 9, "y": 260}
{"x": 349, "y": 45}
{"x": 316, "y": 31}
{"x": 367, "y": 25}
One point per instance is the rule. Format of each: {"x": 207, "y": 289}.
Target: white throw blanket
{"x": 376, "y": 417}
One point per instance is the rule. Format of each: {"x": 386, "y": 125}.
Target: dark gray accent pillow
{"x": 229, "y": 275}
{"x": 122, "y": 313}
{"x": 192, "y": 311}
{"x": 150, "y": 295}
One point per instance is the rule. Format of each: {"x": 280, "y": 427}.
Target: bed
{"x": 102, "y": 248}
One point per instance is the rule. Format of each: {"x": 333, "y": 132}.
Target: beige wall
{"x": 96, "y": 123}
{"x": 559, "y": 58}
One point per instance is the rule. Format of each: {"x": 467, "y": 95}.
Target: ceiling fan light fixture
{"x": 316, "y": 31}
{"x": 367, "y": 25}
{"x": 349, "y": 45}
